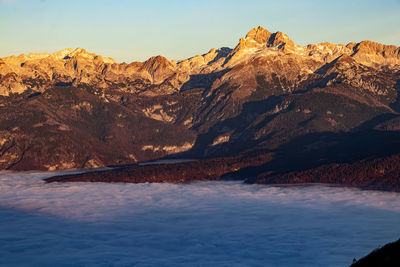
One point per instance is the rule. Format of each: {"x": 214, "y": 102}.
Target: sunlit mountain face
{"x": 267, "y": 110}
{"x": 264, "y": 154}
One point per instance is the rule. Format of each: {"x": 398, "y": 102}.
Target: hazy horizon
{"x": 134, "y": 31}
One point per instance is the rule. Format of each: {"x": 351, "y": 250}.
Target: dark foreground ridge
{"x": 387, "y": 256}
{"x": 379, "y": 174}
{"x": 376, "y": 174}
{"x": 201, "y": 170}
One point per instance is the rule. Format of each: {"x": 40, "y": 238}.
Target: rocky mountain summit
{"x": 39, "y": 72}
{"x": 297, "y": 107}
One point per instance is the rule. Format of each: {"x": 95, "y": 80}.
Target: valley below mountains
{"x": 267, "y": 111}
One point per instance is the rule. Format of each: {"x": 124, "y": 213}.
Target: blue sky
{"x": 135, "y": 30}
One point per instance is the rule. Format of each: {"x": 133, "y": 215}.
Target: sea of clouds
{"x": 196, "y": 224}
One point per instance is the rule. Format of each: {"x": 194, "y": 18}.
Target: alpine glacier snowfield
{"x": 197, "y": 224}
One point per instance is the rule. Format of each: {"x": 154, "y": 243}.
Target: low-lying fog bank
{"x": 206, "y": 223}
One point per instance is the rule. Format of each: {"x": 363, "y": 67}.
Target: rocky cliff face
{"x": 38, "y": 72}
{"x": 74, "y": 109}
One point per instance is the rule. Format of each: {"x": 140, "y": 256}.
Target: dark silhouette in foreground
{"x": 387, "y": 256}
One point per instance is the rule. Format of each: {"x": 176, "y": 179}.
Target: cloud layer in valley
{"x": 218, "y": 223}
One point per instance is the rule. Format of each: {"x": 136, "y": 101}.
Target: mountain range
{"x": 268, "y": 111}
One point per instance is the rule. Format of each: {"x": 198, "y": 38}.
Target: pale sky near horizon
{"x": 135, "y": 30}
